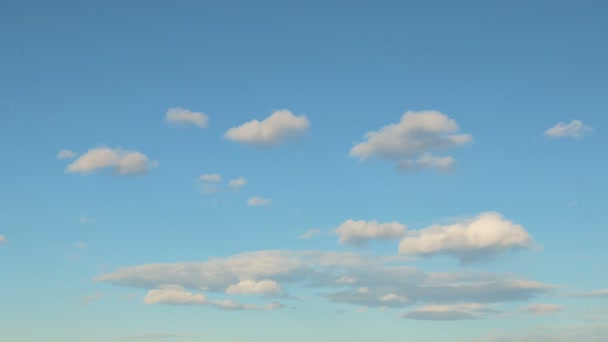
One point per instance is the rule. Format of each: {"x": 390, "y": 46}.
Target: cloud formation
{"x": 184, "y": 117}
{"x": 541, "y": 309}
{"x": 449, "y": 312}
{"x": 122, "y": 162}
{"x": 279, "y": 127}
{"x": 258, "y": 201}
{"x": 574, "y": 129}
{"x": 237, "y": 183}
{"x": 361, "y": 232}
{"x": 66, "y": 154}
{"x": 471, "y": 240}
{"x": 412, "y": 142}
{"x": 254, "y": 287}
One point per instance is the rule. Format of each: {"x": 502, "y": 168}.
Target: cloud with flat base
{"x": 121, "y": 162}
{"x": 184, "y": 117}
{"x": 279, "y": 127}
{"x": 573, "y": 129}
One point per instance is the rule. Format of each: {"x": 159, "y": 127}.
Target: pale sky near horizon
{"x": 303, "y": 171}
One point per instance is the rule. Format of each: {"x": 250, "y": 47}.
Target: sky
{"x": 303, "y": 171}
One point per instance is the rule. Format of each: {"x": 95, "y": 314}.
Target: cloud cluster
{"x": 210, "y": 183}
{"x": 470, "y": 240}
{"x": 360, "y": 232}
{"x": 279, "y": 127}
{"x": 574, "y": 129}
{"x": 350, "y": 278}
{"x": 412, "y": 142}
{"x": 184, "y": 117}
{"x": 122, "y": 162}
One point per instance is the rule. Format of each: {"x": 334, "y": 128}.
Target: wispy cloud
{"x": 258, "y": 201}
{"x": 574, "y": 129}
{"x": 541, "y": 309}
{"x": 310, "y": 233}
{"x": 85, "y": 219}
{"x": 66, "y": 154}
{"x": 90, "y": 298}
{"x": 237, "y": 183}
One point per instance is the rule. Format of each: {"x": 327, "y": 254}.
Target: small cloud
{"x": 237, "y": 183}
{"x": 122, "y": 162}
{"x": 310, "y": 233}
{"x": 361, "y": 232}
{"x": 87, "y": 299}
{"x": 84, "y": 219}
{"x": 2, "y": 239}
{"x": 259, "y": 202}
{"x": 66, "y": 154}
{"x": 453, "y": 312}
{"x": 574, "y": 129}
{"x": 184, "y": 117}
{"x": 279, "y": 127}
{"x": 80, "y": 245}
{"x": 214, "y": 178}
{"x": 174, "y": 295}
{"x": 541, "y": 309}
{"x": 346, "y": 280}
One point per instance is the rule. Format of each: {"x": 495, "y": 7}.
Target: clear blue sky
{"x": 420, "y": 171}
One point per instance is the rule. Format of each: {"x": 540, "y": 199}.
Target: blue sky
{"x": 303, "y": 171}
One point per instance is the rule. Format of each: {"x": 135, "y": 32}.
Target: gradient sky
{"x": 303, "y": 171}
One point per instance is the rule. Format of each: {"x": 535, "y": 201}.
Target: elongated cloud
{"x": 174, "y": 295}
{"x": 122, "y": 162}
{"x": 541, "y": 309}
{"x": 412, "y": 142}
{"x": 574, "y": 129}
{"x": 360, "y": 232}
{"x": 279, "y": 127}
{"x": 470, "y": 240}
{"x": 254, "y": 287}
{"x": 184, "y": 117}
{"x": 66, "y": 154}
{"x": 449, "y": 312}
{"x": 259, "y": 201}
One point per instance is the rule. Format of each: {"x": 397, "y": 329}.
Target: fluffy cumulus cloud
{"x": 413, "y": 142}
{"x": 449, "y": 312}
{"x": 258, "y": 201}
{"x": 470, "y": 240}
{"x": 254, "y": 287}
{"x": 345, "y": 278}
{"x": 237, "y": 183}
{"x": 66, "y": 154}
{"x": 541, "y": 309}
{"x": 184, "y": 117}
{"x": 280, "y": 126}
{"x": 122, "y": 162}
{"x": 574, "y": 129}
{"x": 360, "y": 232}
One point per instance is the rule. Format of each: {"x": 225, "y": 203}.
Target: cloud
{"x": 66, "y": 154}
{"x": 122, "y": 162}
{"x": 310, "y": 233}
{"x": 2, "y": 239}
{"x": 541, "y": 309}
{"x": 592, "y": 294}
{"x": 254, "y": 287}
{"x": 574, "y": 129}
{"x": 360, "y": 232}
{"x": 344, "y": 278}
{"x": 279, "y": 127}
{"x": 184, "y": 117}
{"x": 90, "y": 298}
{"x": 214, "y": 178}
{"x": 412, "y": 141}
{"x": 471, "y": 240}
{"x": 258, "y": 201}
{"x": 449, "y": 312}
{"x": 237, "y": 183}
{"x": 155, "y": 336}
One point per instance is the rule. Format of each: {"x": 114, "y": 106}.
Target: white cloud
{"x": 121, "y": 161}
{"x": 174, "y": 295}
{"x": 85, "y": 219}
{"x": 361, "y": 232}
{"x": 391, "y": 297}
{"x": 185, "y": 117}
{"x": 254, "y": 287}
{"x": 310, "y": 233}
{"x": 275, "y": 129}
{"x": 470, "y": 240}
{"x": 90, "y": 298}
{"x": 237, "y": 183}
{"x": 574, "y": 129}
{"x": 258, "y": 201}
{"x": 66, "y": 154}
{"x": 438, "y": 312}
{"x": 412, "y": 142}
{"x": 2, "y": 239}
{"x": 541, "y": 309}
{"x": 214, "y": 178}
{"x": 346, "y": 280}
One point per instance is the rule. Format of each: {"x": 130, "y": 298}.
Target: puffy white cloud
{"x": 174, "y": 295}
{"x": 214, "y": 178}
{"x": 310, "y": 233}
{"x": 435, "y": 312}
{"x": 121, "y": 161}
{"x": 470, "y": 240}
{"x": 259, "y": 201}
{"x": 412, "y": 141}
{"x": 360, "y": 232}
{"x": 66, "y": 154}
{"x": 574, "y": 129}
{"x": 275, "y": 129}
{"x": 237, "y": 183}
{"x": 254, "y": 287}
{"x": 185, "y": 117}
{"x": 541, "y": 309}
{"x": 346, "y": 278}
{"x": 2, "y": 239}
